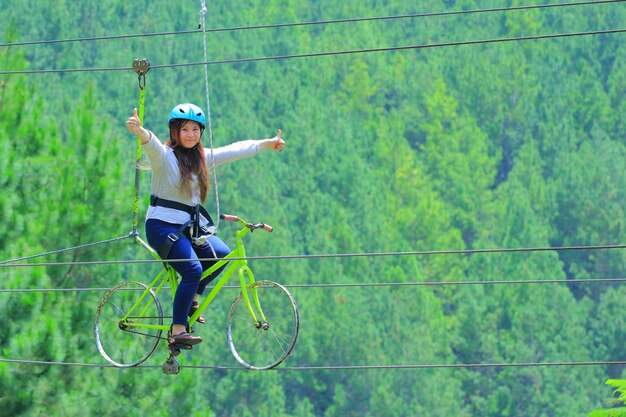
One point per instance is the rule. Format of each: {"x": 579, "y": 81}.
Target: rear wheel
{"x": 263, "y": 344}
{"x": 118, "y": 337}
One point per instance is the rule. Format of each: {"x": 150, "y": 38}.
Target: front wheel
{"x": 125, "y": 324}
{"x": 263, "y": 344}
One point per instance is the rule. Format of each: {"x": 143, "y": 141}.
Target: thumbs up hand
{"x": 133, "y": 124}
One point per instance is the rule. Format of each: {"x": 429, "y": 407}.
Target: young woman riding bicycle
{"x": 177, "y": 226}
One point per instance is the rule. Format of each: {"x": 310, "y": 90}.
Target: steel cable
{"x": 10, "y": 263}
{"x": 312, "y": 23}
{"x": 333, "y": 367}
{"x": 357, "y": 284}
{"x": 329, "y": 53}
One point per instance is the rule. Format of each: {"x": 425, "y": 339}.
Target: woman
{"x": 180, "y": 182}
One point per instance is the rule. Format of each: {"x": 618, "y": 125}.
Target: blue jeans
{"x": 190, "y": 271}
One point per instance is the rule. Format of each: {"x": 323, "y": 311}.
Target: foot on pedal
{"x": 185, "y": 338}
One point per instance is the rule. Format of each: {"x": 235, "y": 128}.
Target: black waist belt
{"x": 192, "y": 210}
{"x": 193, "y": 222}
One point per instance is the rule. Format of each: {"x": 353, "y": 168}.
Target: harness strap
{"x": 194, "y": 222}
{"x": 172, "y": 238}
{"x": 192, "y": 210}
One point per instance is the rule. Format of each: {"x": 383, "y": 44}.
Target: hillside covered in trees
{"x": 440, "y": 162}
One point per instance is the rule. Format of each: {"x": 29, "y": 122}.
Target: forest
{"x": 449, "y": 214}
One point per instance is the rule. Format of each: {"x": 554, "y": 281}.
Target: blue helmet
{"x": 189, "y": 111}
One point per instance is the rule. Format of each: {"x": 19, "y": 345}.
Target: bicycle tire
{"x": 118, "y": 343}
{"x": 264, "y": 345}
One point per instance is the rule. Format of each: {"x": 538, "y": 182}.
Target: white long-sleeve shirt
{"x": 166, "y": 175}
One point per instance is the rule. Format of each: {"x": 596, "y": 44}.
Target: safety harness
{"x": 197, "y": 233}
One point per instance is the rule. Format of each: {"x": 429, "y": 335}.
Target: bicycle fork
{"x": 247, "y": 290}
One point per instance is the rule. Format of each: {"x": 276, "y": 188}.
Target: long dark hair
{"x": 190, "y": 161}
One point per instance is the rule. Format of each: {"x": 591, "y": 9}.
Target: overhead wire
{"x": 356, "y": 284}
{"x": 314, "y": 23}
{"x": 422, "y": 366}
{"x": 330, "y": 53}
{"x": 332, "y": 367}
{"x": 58, "y": 251}
{"x": 10, "y": 263}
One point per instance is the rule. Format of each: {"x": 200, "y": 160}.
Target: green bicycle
{"x": 263, "y": 320}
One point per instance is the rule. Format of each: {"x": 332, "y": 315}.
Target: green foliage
{"x": 496, "y": 146}
{"x": 617, "y": 410}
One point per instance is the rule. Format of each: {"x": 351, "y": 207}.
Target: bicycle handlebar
{"x": 251, "y": 226}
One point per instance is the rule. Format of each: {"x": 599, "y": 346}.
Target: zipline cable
{"x": 358, "y": 285}
{"x": 55, "y": 252}
{"x": 312, "y": 23}
{"x": 333, "y": 367}
{"x": 9, "y": 263}
{"x": 331, "y": 53}
{"x": 422, "y": 366}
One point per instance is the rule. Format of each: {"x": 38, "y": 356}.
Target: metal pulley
{"x": 141, "y": 67}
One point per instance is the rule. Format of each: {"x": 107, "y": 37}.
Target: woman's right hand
{"x": 133, "y": 124}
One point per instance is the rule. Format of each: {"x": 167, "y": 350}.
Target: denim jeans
{"x": 190, "y": 271}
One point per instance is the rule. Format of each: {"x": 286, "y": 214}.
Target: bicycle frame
{"x": 236, "y": 262}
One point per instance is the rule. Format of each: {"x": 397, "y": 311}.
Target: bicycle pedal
{"x": 183, "y": 346}
{"x": 173, "y": 350}
{"x": 177, "y": 347}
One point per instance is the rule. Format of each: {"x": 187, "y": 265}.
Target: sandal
{"x": 193, "y": 309}
{"x": 184, "y": 338}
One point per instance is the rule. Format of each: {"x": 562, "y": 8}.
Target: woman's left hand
{"x": 276, "y": 143}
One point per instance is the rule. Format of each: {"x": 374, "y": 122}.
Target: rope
{"x": 332, "y": 53}
{"x": 203, "y": 11}
{"x": 312, "y": 23}
{"x": 141, "y": 68}
{"x": 323, "y": 256}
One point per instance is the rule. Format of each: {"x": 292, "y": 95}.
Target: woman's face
{"x": 189, "y": 134}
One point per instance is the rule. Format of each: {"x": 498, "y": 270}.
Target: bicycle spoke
{"x": 281, "y": 341}
{"x": 270, "y": 348}
{"x": 117, "y": 307}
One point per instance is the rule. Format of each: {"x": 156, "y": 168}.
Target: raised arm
{"x": 243, "y": 149}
